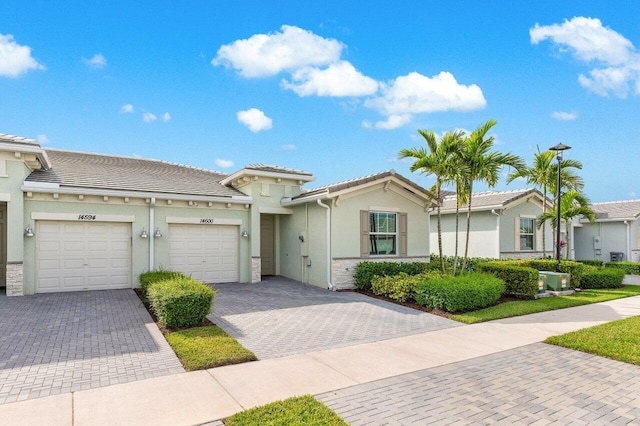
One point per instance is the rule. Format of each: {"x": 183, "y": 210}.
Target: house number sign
{"x": 206, "y": 220}
{"x": 86, "y": 217}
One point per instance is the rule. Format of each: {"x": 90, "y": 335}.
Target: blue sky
{"x": 336, "y": 88}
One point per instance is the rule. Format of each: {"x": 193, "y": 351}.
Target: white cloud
{"x": 337, "y": 80}
{"x": 43, "y": 139}
{"x": 263, "y": 55}
{"x": 98, "y": 61}
{"x": 565, "y": 116}
{"x": 366, "y": 124}
{"x": 288, "y": 147}
{"x": 616, "y": 62}
{"x": 166, "y": 117}
{"x": 15, "y": 59}
{"x": 416, "y": 93}
{"x": 224, "y": 164}
{"x": 126, "y": 108}
{"x": 255, "y": 120}
{"x": 148, "y": 117}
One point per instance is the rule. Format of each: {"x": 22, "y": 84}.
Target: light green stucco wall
{"x": 10, "y": 185}
{"x": 613, "y": 237}
{"x": 483, "y": 241}
{"x": 508, "y": 226}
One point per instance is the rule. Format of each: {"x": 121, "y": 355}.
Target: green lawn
{"x": 205, "y": 347}
{"x": 524, "y": 307}
{"x": 302, "y": 410}
{"x": 618, "y": 340}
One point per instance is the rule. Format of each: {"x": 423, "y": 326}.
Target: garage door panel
{"x": 198, "y": 250}
{"x": 74, "y": 256}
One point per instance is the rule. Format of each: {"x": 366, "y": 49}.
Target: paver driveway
{"x": 56, "y": 343}
{"x": 280, "y": 317}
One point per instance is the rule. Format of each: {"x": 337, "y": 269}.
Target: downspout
{"x": 152, "y": 205}
{"x": 493, "y": 211}
{"x": 626, "y": 222}
{"x": 330, "y": 285}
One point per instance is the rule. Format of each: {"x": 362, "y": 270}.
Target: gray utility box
{"x": 555, "y": 281}
{"x": 617, "y": 256}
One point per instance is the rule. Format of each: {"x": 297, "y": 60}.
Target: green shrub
{"x": 365, "y": 271}
{"x": 471, "y": 266}
{"x": 519, "y": 281}
{"x": 460, "y": 294}
{"x": 631, "y": 268}
{"x": 180, "y": 302}
{"x": 150, "y": 277}
{"x": 401, "y": 287}
{"x": 603, "y": 278}
{"x": 592, "y": 262}
{"x": 575, "y": 269}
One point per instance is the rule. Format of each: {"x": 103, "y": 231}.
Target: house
{"x": 503, "y": 225}
{"x": 615, "y": 230}
{"x": 82, "y": 221}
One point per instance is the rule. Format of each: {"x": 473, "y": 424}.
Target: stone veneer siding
{"x": 14, "y": 279}
{"x": 256, "y": 269}
{"x": 524, "y": 254}
{"x": 342, "y": 269}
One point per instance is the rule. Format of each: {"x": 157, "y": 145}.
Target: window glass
{"x": 527, "y": 234}
{"x": 382, "y": 233}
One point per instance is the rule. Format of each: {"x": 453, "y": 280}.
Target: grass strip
{"x": 617, "y": 340}
{"x": 302, "y": 410}
{"x": 525, "y": 307}
{"x": 206, "y": 347}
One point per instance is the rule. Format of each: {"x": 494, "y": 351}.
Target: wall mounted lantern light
{"x": 157, "y": 233}
{"x": 144, "y": 234}
{"x": 29, "y": 231}
{"x": 244, "y": 233}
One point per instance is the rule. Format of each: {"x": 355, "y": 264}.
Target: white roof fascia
{"x": 236, "y": 199}
{"x": 40, "y": 185}
{"x": 28, "y": 149}
{"x": 615, "y": 219}
{"x": 474, "y": 209}
{"x": 287, "y": 202}
{"x": 393, "y": 179}
{"x": 250, "y": 172}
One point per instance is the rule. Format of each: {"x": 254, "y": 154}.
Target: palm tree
{"x": 483, "y": 166}
{"x": 438, "y": 162}
{"x": 573, "y": 204}
{"x": 543, "y": 175}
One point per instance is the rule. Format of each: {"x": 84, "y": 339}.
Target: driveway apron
{"x": 57, "y": 343}
{"x": 279, "y": 317}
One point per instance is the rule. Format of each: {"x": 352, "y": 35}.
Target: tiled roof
{"x": 98, "y": 171}
{"x": 485, "y": 199}
{"x": 17, "y": 139}
{"x": 276, "y": 169}
{"x": 360, "y": 181}
{"x": 617, "y": 210}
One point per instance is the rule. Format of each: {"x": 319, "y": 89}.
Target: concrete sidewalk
{"x": 204, "y": 396}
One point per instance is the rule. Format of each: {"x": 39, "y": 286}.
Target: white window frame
{"x": 533, "y": 234}
{"x": 373, "y": 234}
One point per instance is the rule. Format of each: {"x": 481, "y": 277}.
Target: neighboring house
{"x": 81, "y": 221}
{"x": 616, "y": 230}
{"x": 503, "y": 225}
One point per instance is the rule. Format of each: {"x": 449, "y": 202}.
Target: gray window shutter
{"x": 364, "y": 233}
{"x": 403, "y": 234}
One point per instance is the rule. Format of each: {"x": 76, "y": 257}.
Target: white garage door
{"x": 72, "y": 256}
{"x": 209, "y": 253}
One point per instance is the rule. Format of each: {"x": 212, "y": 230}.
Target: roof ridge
{"x": 129, "y": 157}
{"x": 615, "y": 202}
{"x": 16, "y": 138}
{"x": 493, "y": 192}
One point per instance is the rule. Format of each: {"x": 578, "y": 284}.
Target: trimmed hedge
{"x": 472, "y": 262}
{"x": 180, "y": 302}
{"x": 592, "y": 262}
{"x": 150, "y": 277}
{"x": 567, "y": 266}
{"x": 603, "y": 278}
{"x": 401, "y": 287}
{"x": 631, "y": 268}
{"x": 519, "y": 281}
{"x": 365, "y": 271}
{"x": 460, "y": 294}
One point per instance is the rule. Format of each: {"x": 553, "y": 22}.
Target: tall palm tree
{"x": 436, "y": 161}
{"x": 573, "y": 204}
{"x": 483, "y": 165}
{"x": 543, "y": 175}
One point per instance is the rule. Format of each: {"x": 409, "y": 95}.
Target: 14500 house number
{"x": 86, "y": 217}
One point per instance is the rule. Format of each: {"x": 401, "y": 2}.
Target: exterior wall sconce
{"x": 144, "y": 234}
{"x": 244, "y": 233}
{"x": 29, "y": 231}
{"x": 157, "y": 233}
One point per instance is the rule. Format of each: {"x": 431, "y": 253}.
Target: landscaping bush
{"x": 180, "y": 302}
{"x": 519, "y": 281}
{"x": 150, "y": 277}
{"x": 365, "y": 271}
{"x": 603, "y": 278}
{"x": 592, "y": 262}
{"x": 471, "y": 266}
{"x": 460, "y": 294}
{"x": 401, "y": 287}
{"x": 631, "y": 268}
{"x": 575, "y": 269}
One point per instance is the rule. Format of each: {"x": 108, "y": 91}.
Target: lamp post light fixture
{"x": 558, "y": 149}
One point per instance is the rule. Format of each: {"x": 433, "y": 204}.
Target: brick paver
{"x": 280, "y": 317}
{"x": 57, "y": 343}
{"x": 536, "y": 384}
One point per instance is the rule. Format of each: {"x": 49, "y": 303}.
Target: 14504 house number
{"x": 86, "y": 217}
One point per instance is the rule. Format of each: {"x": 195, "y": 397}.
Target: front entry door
{"x": 267, "y": 244}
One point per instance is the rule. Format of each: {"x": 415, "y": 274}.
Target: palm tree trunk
{"x": 455, "y": 254}
{"x": 544, "y": 234}
{"x": 439, "y": 225}
{"x": 466, "y": 246}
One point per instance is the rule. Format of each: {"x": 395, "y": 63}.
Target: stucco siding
{"x": 483, "y": 241}
{"x": 10, "y": 183}
{"x": 613, "y": 238}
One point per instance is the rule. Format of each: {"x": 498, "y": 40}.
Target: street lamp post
{"x": 558, "y": 149}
